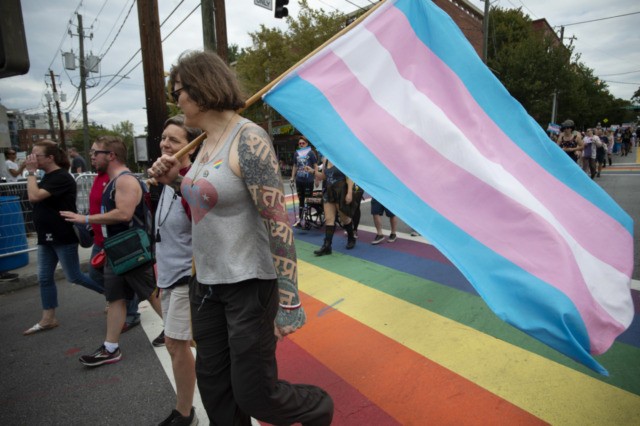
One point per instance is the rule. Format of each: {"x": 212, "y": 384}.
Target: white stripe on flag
{"x": 370, "y": 60}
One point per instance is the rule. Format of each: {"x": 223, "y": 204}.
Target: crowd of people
{"x": 236, "y": 298}
{"x": 593, "y": 149}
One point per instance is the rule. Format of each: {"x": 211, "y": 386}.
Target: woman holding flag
{"x": 244, "y": 254}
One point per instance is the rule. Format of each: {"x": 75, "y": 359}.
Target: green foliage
{"x": 533, "y": 65}
{"x": 636, "y": 96}
{"x": 275, "y": 51}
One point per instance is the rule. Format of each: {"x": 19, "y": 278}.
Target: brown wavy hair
{"x": 208, "y": 81}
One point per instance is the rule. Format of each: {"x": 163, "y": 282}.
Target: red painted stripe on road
{"x": 406, "y": 385}
{"x": 296, "y": 365}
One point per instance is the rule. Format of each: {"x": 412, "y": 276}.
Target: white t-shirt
{"x": 11, "y": 166}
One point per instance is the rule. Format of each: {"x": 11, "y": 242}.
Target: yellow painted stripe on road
{"x": 550, "y": 391}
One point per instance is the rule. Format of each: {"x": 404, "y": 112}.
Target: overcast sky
{"x": 610, "y": 47}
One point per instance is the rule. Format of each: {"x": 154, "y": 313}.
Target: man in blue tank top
{"x": 121, "y": 200}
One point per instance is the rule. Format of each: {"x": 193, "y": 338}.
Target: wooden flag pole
{"x": 197, "y": 141}
{"x": 340, "y": 33}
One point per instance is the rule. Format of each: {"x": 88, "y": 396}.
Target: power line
{"x": 621, "y": 82}
{"x": 119, "y": 29}
{"x": 104, "y": 91}
{"x": 620, "y": 73}
{"x": 113, "y": 27}
{"x": 601, "y": 19}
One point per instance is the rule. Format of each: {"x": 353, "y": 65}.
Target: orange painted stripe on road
{"x": 406, "y": 385}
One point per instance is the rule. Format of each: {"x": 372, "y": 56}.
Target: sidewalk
{"x": 28, "y": 274}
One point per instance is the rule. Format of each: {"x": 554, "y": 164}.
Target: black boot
{"x": 325, "y": 249}
{"x": 328, "y": 237}
{"x": 351, "y": 239}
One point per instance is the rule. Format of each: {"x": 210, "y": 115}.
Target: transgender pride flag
{"x": 404, "y": 106}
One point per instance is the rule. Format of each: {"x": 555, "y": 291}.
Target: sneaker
{"x": 177, "y": 419}
{"x": 415, "y": 234}
{"x": 378, "y": 239}
{"x": 129, "y": 325}
{"x": 100, "y": 357}
{"x": 8, "y": 276}
{"x": 297, "y": 224}
{"x": 392, "y": 238}
{"x": 158, "y": 341}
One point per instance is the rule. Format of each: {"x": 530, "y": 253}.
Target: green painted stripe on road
{"x": 622, "y": 360}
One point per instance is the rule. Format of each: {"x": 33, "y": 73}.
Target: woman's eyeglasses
{"x": 176, "y": 94}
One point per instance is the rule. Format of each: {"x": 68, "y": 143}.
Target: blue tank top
{"x": 109, "y": 203}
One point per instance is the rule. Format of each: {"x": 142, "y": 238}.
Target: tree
{"x": 274, "y": 51}
{"x": 533, "y": 65}
{"x": 636, "y": 96}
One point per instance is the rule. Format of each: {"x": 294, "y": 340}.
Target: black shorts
{"x": 141, "y": 281}
{"x": 336, "y": 193}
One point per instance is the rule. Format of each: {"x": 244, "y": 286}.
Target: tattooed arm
{"x": 259, "y": 169}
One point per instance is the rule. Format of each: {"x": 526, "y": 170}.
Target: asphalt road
{"x": 42, "y": 381}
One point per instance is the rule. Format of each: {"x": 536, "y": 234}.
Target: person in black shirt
{"x": 78, "y": 164}
{"x": 57, "y": 241}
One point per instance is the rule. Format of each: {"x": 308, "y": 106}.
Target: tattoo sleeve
{"x": 261, "y": 173}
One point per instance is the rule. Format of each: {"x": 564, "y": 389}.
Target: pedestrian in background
{"x": 14, "y": 170}
{"x": 338, "y": 200}
{"x": 377, "y": 210}
{"x": 305, "y": 164}
{"x": 569, "y": 140}
{"x": 57, "y": 241}
{"x": 78, "y": 163}
{"x": 590, "y": 145}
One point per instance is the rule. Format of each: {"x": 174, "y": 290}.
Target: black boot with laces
{"x": 325, "y": 249}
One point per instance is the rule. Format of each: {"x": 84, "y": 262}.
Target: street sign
{"x": 263, "y": 3}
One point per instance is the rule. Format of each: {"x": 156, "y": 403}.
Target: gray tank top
{"x": 230, "y": 242}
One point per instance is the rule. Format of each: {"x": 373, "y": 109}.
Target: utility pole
{"x": 485, "y": 31}
{"x": 52, "y": 129}
{"x": 153, "y": 70}
{"x": 208, "y": 25}
{"x": 83, "y": 90}
{"x": 56, "y": 98}
{"x": 214, "y": 27}
{"x": 554, "y": 105}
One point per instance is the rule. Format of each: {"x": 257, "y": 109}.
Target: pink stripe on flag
{"x": 459, "y": 196}
{"x": 432, "y": 77}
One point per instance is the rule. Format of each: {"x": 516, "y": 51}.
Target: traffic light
{"x": 281, "y": 11}
{"x": 14, "y": 58}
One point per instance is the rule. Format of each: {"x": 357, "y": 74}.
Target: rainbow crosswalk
{"x": 398, "y": 336}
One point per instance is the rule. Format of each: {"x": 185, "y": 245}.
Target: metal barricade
{"x": 17, "y": 232}
{"x": 84, "y": 182}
